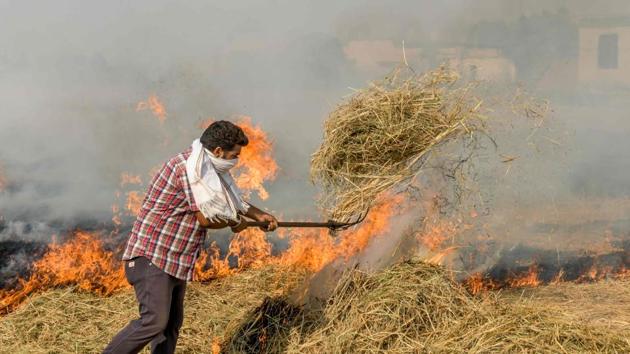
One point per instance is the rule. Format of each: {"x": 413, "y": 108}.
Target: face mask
{"x": 221, "y": 165}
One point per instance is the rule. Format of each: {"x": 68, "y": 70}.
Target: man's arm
{"x": 236, "y": 226}
{"x": 259, "y": 215}
{"x": 252, "y": 213}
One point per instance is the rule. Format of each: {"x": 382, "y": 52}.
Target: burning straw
{"x": 414, "y": 307}
{"x": 379, "y": 136}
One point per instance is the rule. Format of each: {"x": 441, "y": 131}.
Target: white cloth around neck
{"x": 216, "y": 194}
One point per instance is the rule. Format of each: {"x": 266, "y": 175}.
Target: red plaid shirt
{"x": 166, "y": 230}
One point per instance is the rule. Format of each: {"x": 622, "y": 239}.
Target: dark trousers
{"x": 161, "y": 299}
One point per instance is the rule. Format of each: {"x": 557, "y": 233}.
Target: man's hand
{"x": 273, "y": 222}
{"x": 259, "y": 215}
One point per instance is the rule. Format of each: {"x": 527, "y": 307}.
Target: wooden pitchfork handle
{"x": 332, "y": 225}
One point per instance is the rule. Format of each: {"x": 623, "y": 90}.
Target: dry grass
{"x": 603, "y": 304}
{"x": 66, "y": 321}
{"x": 414, "y": 307}
{"x": 378, "y": 137}
{"x": 409, "y": 308}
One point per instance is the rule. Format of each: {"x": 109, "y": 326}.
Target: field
{"x": 67, "y": 321}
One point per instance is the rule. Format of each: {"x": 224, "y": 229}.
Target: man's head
{"x": 224, "y": 139}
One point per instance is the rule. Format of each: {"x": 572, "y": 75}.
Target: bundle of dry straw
{"x": 416, "y": 307}
{"x": 377, "y": 138}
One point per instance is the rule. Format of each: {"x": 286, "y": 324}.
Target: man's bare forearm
{"x": 254, "y": 213}
{"x": 204, "y": 222}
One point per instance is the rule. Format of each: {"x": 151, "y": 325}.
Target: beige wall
{"x": 589, "y": 72}
{"x": 373, "y": 57}
{"x": 378, "y": 55}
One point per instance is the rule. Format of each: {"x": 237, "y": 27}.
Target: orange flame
{"x": 127, "y": 178}
{"x": 314, "y": 249}
{"x": 134, "y": 202}
{"x": 435, "y": 235}
{"x": 248, "y": 249}
{"x": 310, "y": 249}
{"x": 81, "y": 262}
{"x": 116, "y": 214}
{"x": 155, "y": 106}
{"x": 529, "y": 279}
{"x": 438, "y": 258}
{"x": 256, "y": 164}
{"x": 218, "y": 267}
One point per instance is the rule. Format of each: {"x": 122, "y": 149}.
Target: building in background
{"x": 604, "y": 52}
{"x": 375, "y": 58}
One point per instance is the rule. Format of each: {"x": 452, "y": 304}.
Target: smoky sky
{"x": 72, "y": 73}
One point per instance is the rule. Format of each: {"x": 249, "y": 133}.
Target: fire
{"x": 79, "y": 262}
{"x": 529, "y": 279}
{"x": 310, "y": 249}
{"x": 375, "y": 224}
{"x": 314, "y": 249}
{"x": 248, "y": 249}
{"x": 438, "y": 258}
{"x": 256, "y": 163}
{"x": 477, "y": 282}
{"x": 435, "y": 235}
{"x": 156, "y": 107}
{"x": 216, "y": 267}
{"x": 127, "y": 178}
{"x": 116, "y": 214}
{"x": 134, "y": 202}
{"x": 598, "y": 272}
{"x": 82, "y": 262}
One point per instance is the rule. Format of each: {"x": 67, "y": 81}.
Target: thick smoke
{"x": 72, "y": 74}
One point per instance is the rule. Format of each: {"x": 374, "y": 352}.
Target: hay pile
{"x": 416, "y": 307}
{"x": 410, "y": 308}
{"x": 379, "y": 136}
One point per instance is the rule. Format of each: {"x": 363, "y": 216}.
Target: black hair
{"x": 223, "y": 134}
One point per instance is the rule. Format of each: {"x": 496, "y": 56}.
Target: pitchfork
{"x": 330, "y": 224}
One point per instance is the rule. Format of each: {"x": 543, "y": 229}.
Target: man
{"x": 192, "y": 192}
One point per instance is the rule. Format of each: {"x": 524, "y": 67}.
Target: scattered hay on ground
{"x": 409, "y": 308}
{"x": 378, "y": 137}
{"x": 605, "y": 303}
{"x": 71, "y": 321}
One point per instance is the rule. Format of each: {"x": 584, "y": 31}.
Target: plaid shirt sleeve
{"x": 166, "y": 230}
